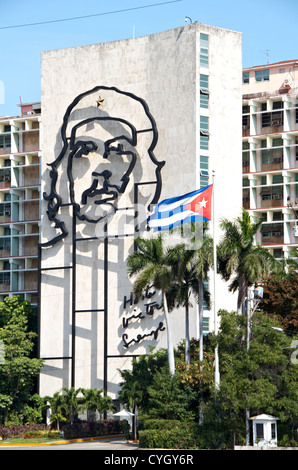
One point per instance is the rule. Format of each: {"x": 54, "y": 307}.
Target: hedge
{"x": 83, "y": 429}
{"x": 168, "y": 434}
{"x": 19, "y": 431}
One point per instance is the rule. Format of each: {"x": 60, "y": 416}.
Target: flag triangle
{"x": 202, "y": 203}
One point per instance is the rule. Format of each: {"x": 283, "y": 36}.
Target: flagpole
{"x": 216, "y": 359}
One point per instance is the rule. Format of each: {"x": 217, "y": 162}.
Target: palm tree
{"x": 58, "y": 407}
{"x": 203, "y": 262}
{"x": 191, "y": 263}
{"x": 93, "y": 401}
{"x": 239, "y": 256}
{"x": 150, "y": 263}
{"x": 71, "y": 401}
{"x": 131, "y": 394}
{"x": 185, "y": 282}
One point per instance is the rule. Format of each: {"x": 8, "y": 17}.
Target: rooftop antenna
{"x": 267, "y": 54}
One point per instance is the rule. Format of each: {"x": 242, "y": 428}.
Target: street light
{"x": 187, "y": 18}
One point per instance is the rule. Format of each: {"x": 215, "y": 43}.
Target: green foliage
{"x": 69, "y": 402}
{"x": 19, "y": 369}
{"x": 238, "y": 255}
{"x": 94, "y": 400}
{"x": 262, "y": 377}
{"x": 170, "y": 435}
{"x": 168, "y": 399}
{"x": 281, "y": 299}
{"x": 136, "y": 382}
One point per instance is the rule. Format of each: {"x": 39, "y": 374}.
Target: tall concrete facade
{"x": 270, "y": 139}
{"x": 20, "y": 202}
{"x": 125, "y": 123}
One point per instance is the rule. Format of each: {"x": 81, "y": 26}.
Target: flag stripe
{"x": 178, "y": 210}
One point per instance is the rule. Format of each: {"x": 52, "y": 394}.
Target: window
{"x": 277, "y": 142}
{"x": 245, "y": 182}
{"x": 5, "y": 209}
{"x": 4, "y": 175}
{"x": 204, "y": 50}
{"x": 277, "y": 179}
{"x": 204, "y": 123}
{"x": 273, "y": 431}
{"x": 204, "y": 57}
{"x": 204, "y": 81}
{"x": 245, "y": 77}
{"x": 264, "y": 216}
{"x": 5, "y": 141}
{"x": 205, "y": 325}
{"x": 204, "y": 142}
{"x": 277, "y": 216}
{"x": 4, "y": 278}
{"x": 204, "y": 100}
{"x": 260, "y": 430}
{"x": 262, "y": 75}
{"x": 204, "y": 166}
{"x": 4, "y": 244}
{"x": 263, "y": 179}
{"x": 277, "y": 105}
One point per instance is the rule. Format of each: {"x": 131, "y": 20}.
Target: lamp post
{"x": 187, "y": 18}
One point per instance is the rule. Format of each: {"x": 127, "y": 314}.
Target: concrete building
{"x": 20, "y": 202}
{"x": 270, "y": 153}
{"x": 170, "y": 104}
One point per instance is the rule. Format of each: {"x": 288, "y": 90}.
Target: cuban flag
{"x": 191, "y": 207}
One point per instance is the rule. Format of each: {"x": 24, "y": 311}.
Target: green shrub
{"x": 82, "y": 429}
{"x": 7, "y": 432}
{"x": 169, "y": 435}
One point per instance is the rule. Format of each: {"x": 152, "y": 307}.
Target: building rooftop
{"x": 283, "y": 63}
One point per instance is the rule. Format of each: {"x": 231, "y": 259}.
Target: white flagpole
{"x": 216, "y": 360}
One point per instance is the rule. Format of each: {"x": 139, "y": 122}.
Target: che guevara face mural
{"x": 103, "y": 135}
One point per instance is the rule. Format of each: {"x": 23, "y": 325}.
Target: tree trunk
{"x": 242, "y": 291}
{"x": 169, "y": 337}
{"x": 134, "y": 422}
{"x": 200, "y": 337}
{"x": 200, "y": 319}
{"x": 187, "y": 354}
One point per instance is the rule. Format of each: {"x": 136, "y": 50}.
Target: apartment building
{"x": 20, "y": 202}
{"x": 270, "y": 153}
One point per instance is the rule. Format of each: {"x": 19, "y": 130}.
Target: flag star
{"x": 203, "y": 203}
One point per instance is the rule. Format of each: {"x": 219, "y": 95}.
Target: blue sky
{"x": 265, "y": 25}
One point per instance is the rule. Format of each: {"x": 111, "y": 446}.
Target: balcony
{"x": 271, "y": 196}
{"x": 271, "y": 159}
{"x": 272, "y": 234}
